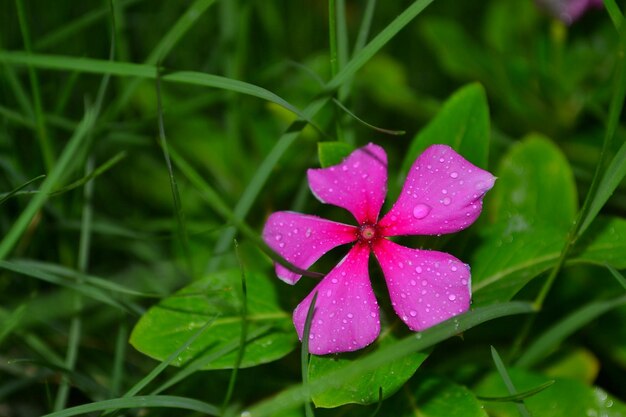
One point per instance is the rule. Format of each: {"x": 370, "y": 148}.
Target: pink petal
{"x": 358, "y": 184}
{"x": 346, "y": 314}
{"x": 426, "y": 287}
{"x": 302, "y": 239}
{"x": 443, "y": 193}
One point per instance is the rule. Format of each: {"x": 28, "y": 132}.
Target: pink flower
{"x": 442, "y": 194}
{"x": 569, "y": 10}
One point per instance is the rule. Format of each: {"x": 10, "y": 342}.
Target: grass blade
{"x": 125, "y": 69}
{"x": 561, "y": 330}
{"x": 13, "y": 192}
{"x": 295, "y": 396}
{"x": 62, "y": 165}
{"x": 146, "y": 401}
{"x": 304, "y": 354}
{"x": 520, "y": 396}
{"x": 504, "y": 374}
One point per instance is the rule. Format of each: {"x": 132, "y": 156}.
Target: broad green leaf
{"x": 332, "y": 153}
{"x": 565, "y": 398}
{"x": 294, "y": 396}
{"x": 503, "y": 265}
{"x": 432, "y": 396}
{"x": 532, "y": 206}
{"x": 604, "y": 242}
{"x": 535, "y": 188}
{"x": 169, "y": 324}
{"x": 462, "y": 122}
{"x": 365, "y": 388}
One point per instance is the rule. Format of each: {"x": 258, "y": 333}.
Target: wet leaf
{"x": 167, "y": 325}
{"x": 364, "y": 389}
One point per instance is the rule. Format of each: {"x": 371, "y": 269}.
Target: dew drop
{"x": 344, "y": 168}
{"x": 421, "y": 210}
{"x": 295, "y": 231}
{"x": 464, "y": 281}
{"x": 334, "y": 280}
{"x": 278, "y": 237}
{"x": 451, "y": 297}
{"x": 400, "y": 265}
{"x": 453, "y": 268}
{"x": 350, "y": 315}
{"x": 454, "y": 174}
{"x": 329, "y": 293}
{"x": 446, "y": 201}
{"x": 441, "y": 160}
{"x": 373, "y": 314}
{"x": 281, "y": 244}
{"x": 418, "y": 269}
{"x": 308, "y": 233}
{"x": 444, "y": 191}
{"x": 413, "y": 282}
{"x": 413, "y": 313}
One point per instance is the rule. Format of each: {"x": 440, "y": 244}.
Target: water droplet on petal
{"x": 344, "y": 168}
{"x": 453, "y": 268}
{"x": 413, "y": 282}
{"x": 452, "y": 297}
{"x": 334, "y": 280}
{"x": 413, "y": 313}
{"x": 278, "y": 237}
{"x": 350, "y": 315}
{"x": 418, "y": 269}
{"x": 454, "y": 174}
{"x": 424, "y": 282}
{"x": 464, "y": 281}
{"x": 446, "y": 201}
{"x": 281, "y": 244}
{"x": 421, "y": 210}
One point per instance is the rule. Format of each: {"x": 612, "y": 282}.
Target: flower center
{"x": 368, "y": 233}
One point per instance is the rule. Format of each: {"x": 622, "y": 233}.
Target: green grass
{"x": 144, "y": 144}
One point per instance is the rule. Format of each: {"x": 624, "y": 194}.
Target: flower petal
{"x": 426, "y": 287}
{"x": 442, "y": 194}
{"x": 358, "y": 184}
{"x": 302, "y": 239}
{"x": 346, "y": 313}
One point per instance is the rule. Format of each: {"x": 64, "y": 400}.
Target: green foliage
{"x": 364, "y": 389}
{"x": 217, "y": 298}
{"x": 462, "y": 122}
{"x": 139, "y": 139}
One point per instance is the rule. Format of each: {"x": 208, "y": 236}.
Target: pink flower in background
{"x": 569, "y": 10}
{"x": 442, "y": 194}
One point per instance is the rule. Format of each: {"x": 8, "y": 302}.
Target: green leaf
{"x": 503, "y": 265}
{"x": 535, "y": 188}
{"x": 603, "y": 243}
{"x": 462, "y": 122}
{"x": 294, "y": 396}
{"x": 532, "y": 208}
{"x": 565, "y": 398}
{"x": 169, "y": 324}
{"x": 432, "y": 396}
{"x": 332, "y": 153}
{"x": 364, "y": 389}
